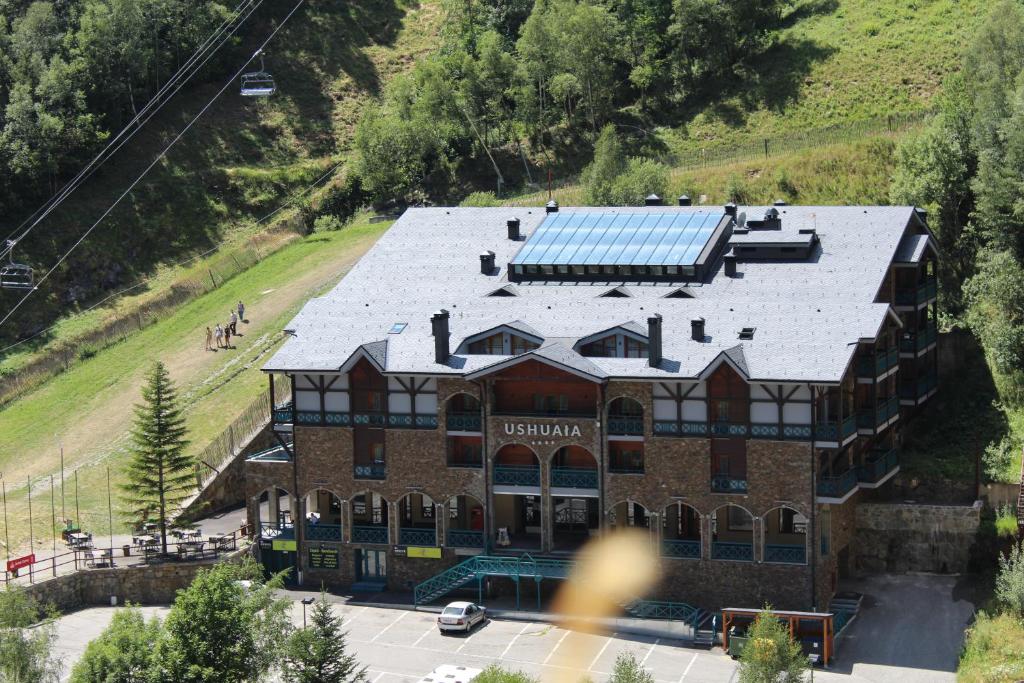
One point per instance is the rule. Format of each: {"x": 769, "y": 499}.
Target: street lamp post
{"x": 305, "y": 603}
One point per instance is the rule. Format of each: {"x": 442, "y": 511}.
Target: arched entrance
{"x": 732, "y": 534}
{"x": 323, "y": 517}
{"x": 417, "y": 520}
{"x": 629, "y": 515}
{"x": 278, "y": 549}
{"x": 517, "y": 498}
{"x": 681, "y": 533}
{"x": 785, "y": 536}
{"x": 465, "y": 522}
{"x": 574, "y": 497}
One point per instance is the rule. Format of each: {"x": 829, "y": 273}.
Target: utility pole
{"x": 63, "y": 509}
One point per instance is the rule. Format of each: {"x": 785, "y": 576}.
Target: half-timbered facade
{"x": 729, "y": 381}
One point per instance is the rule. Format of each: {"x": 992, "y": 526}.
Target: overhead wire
{"x": 259, "y": 221}
{"x": 234, "y": 78}
{"x": 150, "y": 109}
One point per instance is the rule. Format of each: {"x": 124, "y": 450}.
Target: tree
{"x": 317, "y": 654}
{"x": 26, "y": 649}
{"x": 641, "y": 178}
{"x": 123, "y": 653}
{"x": 222, "y": 630}
{"x": 629, "y": 670}
{"x": 1010, "y": 581}
{"x": 608, "y": 164}
{"x": 160, "y": 474}
{"x": 771, "y": 655}
{"x": 495, "y": 674}
{"x": 995, "y": 313}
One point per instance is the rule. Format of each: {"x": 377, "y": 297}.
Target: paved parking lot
{"x": 888, "y": 643}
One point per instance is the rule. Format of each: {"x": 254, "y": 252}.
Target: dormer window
{"x": 489, "y": 346}
{"x": 503, "y": 341}
{"x": 620, "y": 345}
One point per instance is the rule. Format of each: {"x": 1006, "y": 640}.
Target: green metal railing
{"x": 463, "y": 422}
{"x": 838, "y": 486}
{"x": 881, "y": 464}
{"x": 516, "y": 475}
{"x": 283, "y": 413}
{"x": 573, "y": 477}
{"x": 685, "y": 428}
{"x": 883, "y": 412}
{"x": 728, "y": 429}
{"x": 923, "y": 292}
{"x": 681, "y": 548}
{"x": 423, "y": 537}
{"x": 878, "y": 363}
{"x": 371, "y": 471}
{"x": 834, "y": 431}
{"x": 464, "y": 538}
{"x": 280, "y": 531}
{"x": 915, "y": 343}
{"x": 323, "y": 532}
{"x": 371, "y": 419}
{"x": 779, "y": 553}
{"x": 629, "y": 425}
{"x": 408, "y": 421}
{"x": 475, "y": 568}
{"x": 651, "y": 609}
{"x": 372, "y": 534}
{"x": 723, "y": 483}
{"x": 728, "y": 550}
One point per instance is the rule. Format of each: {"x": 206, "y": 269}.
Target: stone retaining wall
{"x": 900, "y": 537}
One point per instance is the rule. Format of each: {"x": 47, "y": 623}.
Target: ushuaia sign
{"x": 519, "y": 429}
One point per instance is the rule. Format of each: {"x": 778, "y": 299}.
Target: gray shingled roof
{"x": 911, "y": 248}
{"x": 809, "y": 314}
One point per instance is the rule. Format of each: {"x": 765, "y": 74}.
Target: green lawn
{"x": 89, "y": 406}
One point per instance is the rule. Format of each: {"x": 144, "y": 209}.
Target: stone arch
{"x": 572, "y": 455}
{"x": 370, "y": 513}
{"x": 732, "y": 533}
{"x": 417, "y": 519}
{"x": 629, "y": 513}
{"x": 324, "y": 515}
{"x": 275, "y": 511}
{"x": 785, "y": 534}
{"x": 464, "y": 520}
{"x": 682, "y": 531}
{"x": 463, "y": 402}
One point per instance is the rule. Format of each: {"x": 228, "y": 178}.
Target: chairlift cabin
{"x": 258, "y": 83}
{"x": 15, "y": 275}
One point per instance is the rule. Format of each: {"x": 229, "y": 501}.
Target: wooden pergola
{"x": 807, "y": 628}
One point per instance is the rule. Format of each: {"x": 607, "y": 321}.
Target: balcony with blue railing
{"x": 463, "y": 422}
{"x": 683, "y": 548}
{"x": 925, "y": 291}
{"x": 723, "y": 483}
{"x": 282, "y": 414}
{"x": 625, "y": 425}
{"x": 323, "y": 532}
{"x": 877, "y": 364}
{"x": 465, "y": 538}
{"x": 684, "y": 428}
{"x": 314, "y": 417}
{"x": 517, "y": 475}
{"x": 916, "y": 342}
{"x": 732, "y": 429}
{"x": 374, "y": 534}
{"x": 727, "y": 550}
{"x": 783, "y": 553}
{"x": 879, "y": 464}
{"x": 574, "y": 477}
{"x": 417, "y": 536}
{"x": 284, "y": 531}
{"x": 884, "y": 411}
{"x": 370, "y": 419}
{"x": 373, "y": 470}
{"x": 407, "y": 421}
{"x": 837, "y": 486}
{"x": 836, "y": 431}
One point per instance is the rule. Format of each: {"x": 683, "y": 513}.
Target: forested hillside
{"x": 490, "y": 96}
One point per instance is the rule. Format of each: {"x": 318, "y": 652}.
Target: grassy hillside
{"x": 837, "y": 61}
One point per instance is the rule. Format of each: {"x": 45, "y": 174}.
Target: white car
{"x": 460, "y": 616}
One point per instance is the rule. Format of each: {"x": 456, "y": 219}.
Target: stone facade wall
{"x": 895, "y": 537}
{"x": 228, "y": 488}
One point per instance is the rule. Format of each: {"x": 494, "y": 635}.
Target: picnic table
{"x": 99, "y": 558}
{"x": 222, "y": 542}
{"x": 190, "y": 550}
{"x": 79, "y": 540}
{"x": 143, "y": 540}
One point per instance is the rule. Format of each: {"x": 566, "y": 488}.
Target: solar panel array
{"x": 619, "y": 239}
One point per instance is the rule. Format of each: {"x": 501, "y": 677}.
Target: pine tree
{"x": 771, "y": 655}
{"x": 317, "y": 654}
{"x": 160, "y": 474}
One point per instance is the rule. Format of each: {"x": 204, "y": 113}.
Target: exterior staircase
{"x": 844, "y": 608}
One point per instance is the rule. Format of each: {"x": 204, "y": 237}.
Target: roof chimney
{"x": 697, "y": 329}
{"x": 730, "y": 264}
{"x": 730, "y": 209}
{"x": 439, "y": 328}
{"x": 779, "y": 202}
{"x": 654, "y": 340}
{"x": 487, "y": 262}
{"x": 513, "y": 229}
{"x": 684, "y": 200}
{"x": 652, "y": 200}
{"x": 772, "y": 220}
{"x": 551, "y": 207}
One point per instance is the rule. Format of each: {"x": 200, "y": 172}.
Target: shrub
{"x": 629, "y": 670}
{"x": 123, "y": 653}
{"x": 327, "y": 223}
{"x": 998, "y": 458}
{"x": 1009, "y": 591}
{"x": 481, "y": 199}
{"x": 495, "y": 674}
{"x": 642, "y": 177}
{"x": 1006, "y": 522}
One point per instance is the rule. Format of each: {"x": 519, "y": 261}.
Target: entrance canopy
{"x": 813, "y": 630}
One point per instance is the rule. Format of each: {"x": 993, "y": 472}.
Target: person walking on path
{"x": 219, "y": 334}
{"x": 227, "y": 336}
{"x": 233, "y": 321}
{"x": 209, "y": 339}
{"x": 241, "y": 311}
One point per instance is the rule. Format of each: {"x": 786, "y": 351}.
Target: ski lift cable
{"x": 234, "y": 79}
{"x": 182, "y": 76}
{"x": 287, "y": 203}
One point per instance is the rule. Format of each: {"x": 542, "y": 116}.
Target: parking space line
{"x": 432, "y": 627}
{"x": 400, "y": 617}
{"x": 377, "y": 677}
{"x": 607, "y": 642}
{"x": 546, "y": 659}
{"x": 687, "y": 669}
{"x": 653, "y": 645}
{"x": 513, "y": 641}
{"x": 391, "y": 673}
{"x": 353, "y": 616}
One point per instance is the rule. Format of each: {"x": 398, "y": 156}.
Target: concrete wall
{"x": 896, "y": 537}
{"x": 227, "y": 489}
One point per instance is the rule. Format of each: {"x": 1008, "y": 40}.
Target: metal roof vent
{"x": 487, "y": 263}
{"x": 652, "y": 200}
{"x": 747, "y": 333}
{"x": 772, "y": 220}
{"x": 697, "y": 329}
{"x": 779, "y": 202}
{"x": 513, "y": 229}
{"x": 551, "y": 207}
{"x": 684, "y": 200}
{"x": 730, "y": 209}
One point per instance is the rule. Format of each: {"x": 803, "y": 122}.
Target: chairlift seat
{"x": 258, "y": 84}
{"x": 16, "y": 276}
